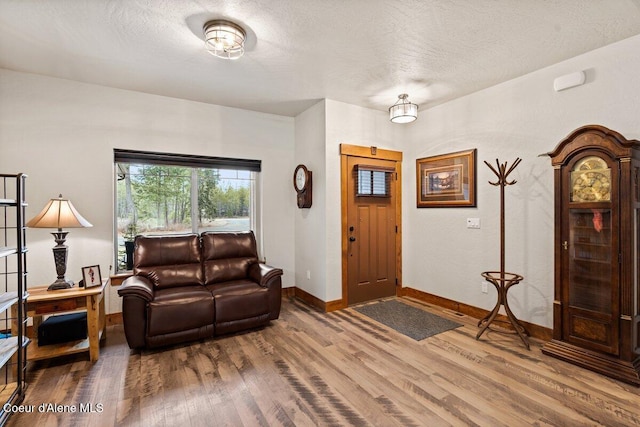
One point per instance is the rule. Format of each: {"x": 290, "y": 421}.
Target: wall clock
{"x": 302, "y": 185}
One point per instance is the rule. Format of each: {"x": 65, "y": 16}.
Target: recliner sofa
{"x": 191, "y": 287}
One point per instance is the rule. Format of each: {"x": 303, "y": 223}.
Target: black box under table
{"x": 63, "y": 328}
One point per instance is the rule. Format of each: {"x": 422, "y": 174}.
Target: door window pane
{"x": 372, "y": 181}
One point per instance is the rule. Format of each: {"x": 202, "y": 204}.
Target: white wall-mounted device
{"x": 568, "y": 81}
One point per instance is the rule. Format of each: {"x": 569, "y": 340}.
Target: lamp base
{"x": 60, "y": 284}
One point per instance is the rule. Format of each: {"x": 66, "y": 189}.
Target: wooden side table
{"x": 42, "y": 302}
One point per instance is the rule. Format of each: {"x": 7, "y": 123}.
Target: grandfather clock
{"x": 597, "y": 235}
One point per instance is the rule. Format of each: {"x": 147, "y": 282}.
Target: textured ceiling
{"x": 362, "y": 52}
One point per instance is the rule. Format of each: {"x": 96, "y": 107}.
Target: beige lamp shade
{"x": 58, "y": 213}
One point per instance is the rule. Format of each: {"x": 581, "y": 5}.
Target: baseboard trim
{"x": 536, "y": 331}
{"x": 335, "y": 305}
{"x": 113, "y": 319}
{"x": 316, "y": 302}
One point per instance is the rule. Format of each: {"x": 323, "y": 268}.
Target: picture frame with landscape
{"x": 446, "y": 180}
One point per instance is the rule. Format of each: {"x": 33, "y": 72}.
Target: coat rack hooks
{"x": 503, "y": 172}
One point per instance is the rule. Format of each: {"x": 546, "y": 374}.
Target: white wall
{"x": 348, "y": 124}
{"x": 310, "y": 232}
{"x": 62, "y": 134}
{"x": 520, "y": 118}
{"x": 319, "y": 132}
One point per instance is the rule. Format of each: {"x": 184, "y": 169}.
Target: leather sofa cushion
{"x": 180, "y": 309}
{"x": 227, "y": 256}
{"x": 176, "y": 275}
{"x": 169, "y": 261}
{"x": 233, "y": 286}
{"x": 228, "y": 245}
{"x": 239, "y": 300}
{"x": 224, "y": 270}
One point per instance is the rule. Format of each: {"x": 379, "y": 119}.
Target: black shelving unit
{"x": 13, "y": 292}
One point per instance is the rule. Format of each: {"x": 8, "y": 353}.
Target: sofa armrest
{"x": 264, "y": 274}
{"x": 136, "y": 293}
{"x": 137, "y": 286}
{"x": 270, "y": 278}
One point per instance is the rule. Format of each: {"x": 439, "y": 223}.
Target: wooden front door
{"x": 371, "y": 229}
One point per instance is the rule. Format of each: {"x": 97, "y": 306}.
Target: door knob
{"x": 352, "y": 239}
{"x": 565, "y": 245}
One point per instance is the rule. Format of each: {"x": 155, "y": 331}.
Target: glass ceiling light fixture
{"x": 224, "y": 39}
{"x": 403, "y": 111}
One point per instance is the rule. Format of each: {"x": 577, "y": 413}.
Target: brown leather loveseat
{"x": 193, "y": 286}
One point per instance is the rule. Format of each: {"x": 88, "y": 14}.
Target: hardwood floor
{"x": 341, "y": 368}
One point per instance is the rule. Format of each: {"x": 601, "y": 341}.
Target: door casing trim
{"x": 346, "y": 151}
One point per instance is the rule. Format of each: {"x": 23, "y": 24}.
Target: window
{"x": 373, "y": 181}
{"x": 158, "y": 193}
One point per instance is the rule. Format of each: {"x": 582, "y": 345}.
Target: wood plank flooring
{"x": 342, "y": 368}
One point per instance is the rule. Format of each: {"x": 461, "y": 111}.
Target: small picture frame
{"x": 91, "y": 276}
{"x": 447, "y": 180}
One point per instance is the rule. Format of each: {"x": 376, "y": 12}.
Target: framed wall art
{"x": 447, "y": 180}
{"x": 91, "y": 276}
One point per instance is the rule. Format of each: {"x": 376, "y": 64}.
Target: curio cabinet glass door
{"x": 590, "y": 252}
{"x": 596, "y": 307}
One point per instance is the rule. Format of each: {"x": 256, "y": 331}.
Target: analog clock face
{"x": 302, "y": 184}
{"x": 301, "y": 179}
{"x": 591, "y": 187}
{"x": 591, "y": 181}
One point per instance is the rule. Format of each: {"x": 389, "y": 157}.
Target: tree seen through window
{"x": 161, "y": 199}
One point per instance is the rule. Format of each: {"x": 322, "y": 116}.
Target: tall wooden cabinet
{"x": 596, "y": 307}
{"x": 13, "y": 292}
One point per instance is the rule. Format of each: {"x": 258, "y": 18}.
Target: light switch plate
{"x": 473, "y": 222}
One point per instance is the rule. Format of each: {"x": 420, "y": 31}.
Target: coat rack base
{"x": 502, "y": 282}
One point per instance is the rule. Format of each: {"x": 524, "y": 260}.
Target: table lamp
{"x": 59, "y": 213}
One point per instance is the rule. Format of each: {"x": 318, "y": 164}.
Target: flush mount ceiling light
{"x": 403, "y": 111}
{"x": 224, "y": 39}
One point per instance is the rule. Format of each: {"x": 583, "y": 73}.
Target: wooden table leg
{"x": 102, "y": 317}
{"x": 93, "y": 326}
